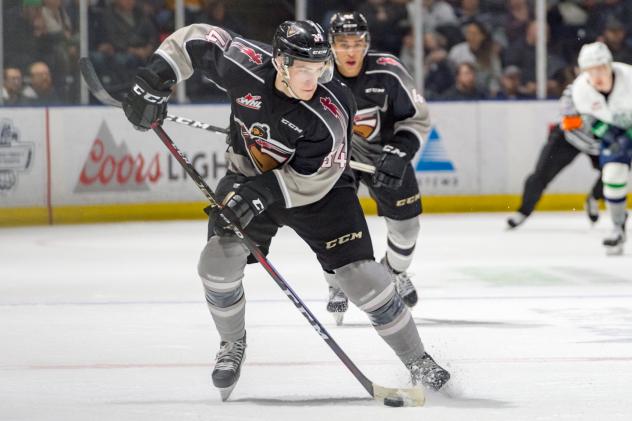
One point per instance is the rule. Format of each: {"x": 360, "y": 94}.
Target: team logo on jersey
{"x": 252, "y": 55}
{"x": 265, "y": 153}
{"x": 595, "y": 106}
{"x": 250, "y": 101}
{"x": 366, "y": 123}
{"x": 388, "y": 61}
{"x": 329, "y": 105}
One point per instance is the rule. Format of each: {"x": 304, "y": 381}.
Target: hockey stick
{"x": 390, "y": 396}
{"x": 96, "y": 87}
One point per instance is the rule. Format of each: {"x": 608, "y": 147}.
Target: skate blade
{"x": 614, "y": 250}
{"x": 338, "y": 317}
{"x": 225, "y": 392}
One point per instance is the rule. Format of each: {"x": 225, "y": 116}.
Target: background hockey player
{"x": 602, "y": 96}
{"x": 389, "y": 128}
{"x": 287, "y": 160}
{"x": 565, "y": 141}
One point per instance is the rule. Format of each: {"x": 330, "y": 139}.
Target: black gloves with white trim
{"x": 146, "y": 103}
{"x": 239, "y": 207}
{"x": 389, "y": 171}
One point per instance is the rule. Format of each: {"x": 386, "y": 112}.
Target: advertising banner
{"x": 23, "y": 181}
{"x": 100, "y": 158}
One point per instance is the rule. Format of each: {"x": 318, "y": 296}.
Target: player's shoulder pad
{"x": 387, "y": 64}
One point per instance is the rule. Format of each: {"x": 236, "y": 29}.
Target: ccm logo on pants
{"x": 408, "y": 200}
{"x": 343, "y": 239}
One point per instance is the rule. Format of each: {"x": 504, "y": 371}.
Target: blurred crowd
{"x": 473, "y": 49}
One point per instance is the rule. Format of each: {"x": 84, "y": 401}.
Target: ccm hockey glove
{"x": 239, "y": 207}
{"x": 146, "y": 104}
{"x": 390, "y": 168}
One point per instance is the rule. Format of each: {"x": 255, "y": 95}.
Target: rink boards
{"x": 85, "y": 164}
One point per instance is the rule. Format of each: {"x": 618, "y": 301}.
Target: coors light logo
{"x": 111, "y": 167}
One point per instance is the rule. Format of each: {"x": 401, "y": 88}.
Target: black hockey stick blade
{"x": 94, "y": 84}
{"x": 96, "y": 87}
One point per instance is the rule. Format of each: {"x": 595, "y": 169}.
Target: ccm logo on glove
{"x": 154, "y": 99}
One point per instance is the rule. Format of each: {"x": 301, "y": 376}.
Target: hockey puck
{"x": 394, "y": 401}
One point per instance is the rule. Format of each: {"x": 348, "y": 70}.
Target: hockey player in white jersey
{"x": 602, "y": 96}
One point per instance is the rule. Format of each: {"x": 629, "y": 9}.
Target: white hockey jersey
{"x": 581, "y": 98}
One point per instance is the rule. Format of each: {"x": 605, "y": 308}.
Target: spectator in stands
{"x": 214, "y": 12}
{"x": 516, "y": 20}
{"x": 479, "y": 48}
{"x": 436, "y": 13}
{"x": 438, "y": 75}
{"x": 130, "y": 37}
{"x": 388, "y": 22}
{"x": 58, "y": 44}
{"x": 510, "y": 84}
{"x": 19, "y": 32}
{"x": 13, "y": 89}
{"x": 521, "y": 53}
{"x": 465, "y": 87}
{"x": 614, "y": 37}
{"x": 41, "y": 91}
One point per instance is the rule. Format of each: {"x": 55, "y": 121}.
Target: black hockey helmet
{"x": 302, "y": 40}
{"x": 348, "y": 23}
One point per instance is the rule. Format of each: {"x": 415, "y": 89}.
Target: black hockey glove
{"x": 239, "y": 207}
{"x": 146, "y": 104}
{"x": 390, "y": 169}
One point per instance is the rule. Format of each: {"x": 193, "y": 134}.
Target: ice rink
{"x": 108, "y": 322}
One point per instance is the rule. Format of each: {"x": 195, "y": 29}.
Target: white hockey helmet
{"x": 594, "y": 54}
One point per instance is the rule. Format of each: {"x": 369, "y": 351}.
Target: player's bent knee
{"x": 403, "y": 233}
{"x": 367, "y": 283}
{"x": 615, "y": 178}
{"x": 221, "y": 264}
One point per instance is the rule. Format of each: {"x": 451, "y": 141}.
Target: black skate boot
{"x": 426, "y": 371}
{"x": 228, "y": 363}
{"x": 337, "y": 304}
{"x": 592, "y": 209}
{"x": 403, "y": 285}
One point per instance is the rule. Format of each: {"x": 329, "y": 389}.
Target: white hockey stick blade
{"x": 359, "y": 166}
{"x": 412, "y": 396}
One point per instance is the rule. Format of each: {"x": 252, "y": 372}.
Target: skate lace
{"x": 404, "y": 284}
{"x": 336, "y": 295}
{"x": 230, "y": 355}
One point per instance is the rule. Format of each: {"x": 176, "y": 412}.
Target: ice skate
{"x": 614, "y": 242}
{"x": 403, "y": 285}
{"x": 337, "y": 304}
{"x": 592, "y": 209}
{"x": 228, "y": 363}
{"x": 516, "y": 219}
{"x": 426, "y": 371}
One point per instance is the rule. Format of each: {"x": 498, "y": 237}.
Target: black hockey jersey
{"x": 390, "y": 111}
{"x": 299, "y": 149}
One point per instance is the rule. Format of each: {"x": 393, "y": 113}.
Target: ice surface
{"x": 108, "y": 322}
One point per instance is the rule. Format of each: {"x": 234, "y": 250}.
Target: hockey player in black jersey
{"x": 287, "y": 165}
{"x": 388, "y": 129}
